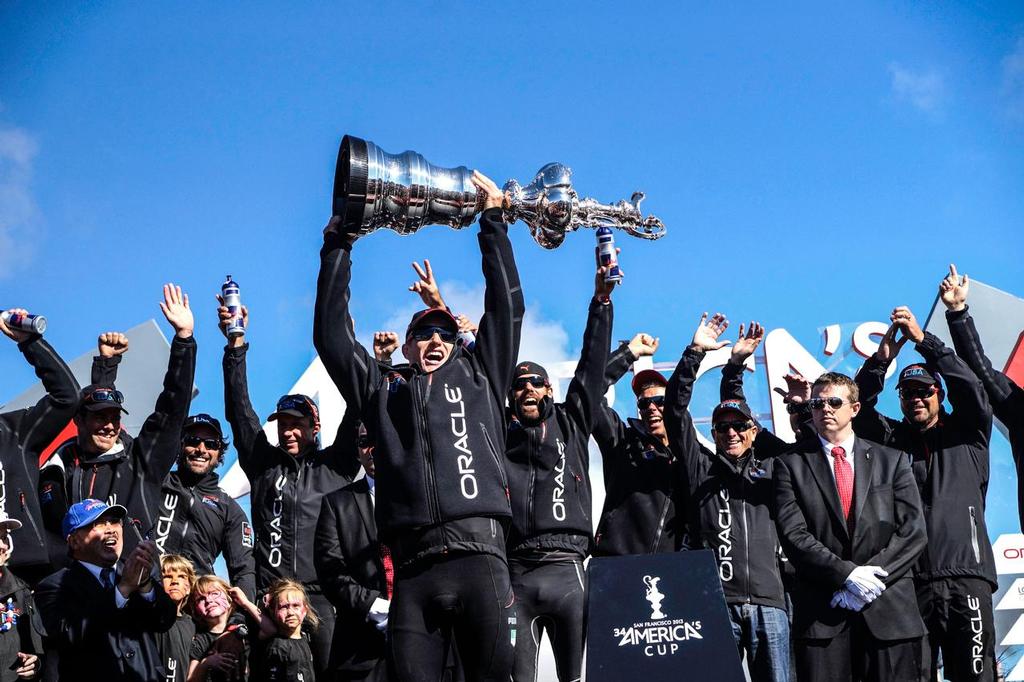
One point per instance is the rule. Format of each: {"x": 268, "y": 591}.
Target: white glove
{"x": 845, "y": 599}
{"x": 378, "y": 612}
{"x": 864, "y": 582}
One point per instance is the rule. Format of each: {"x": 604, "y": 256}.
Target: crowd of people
{"x": 447, "y": 527}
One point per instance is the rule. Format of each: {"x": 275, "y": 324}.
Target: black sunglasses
{"x": 105, "y": 395}
{"x": 922, "y": 393}
{"x": 738, "y": 427}
{"x": 533, "y": 380}
{"x": 796, "y": 408}
{"x": 363, "y": 442}
{"x": 834, "y": 402}
{"x": 657, "y": 400}
{"x": 425, "y": 333}
{"x": 210, "y": 443}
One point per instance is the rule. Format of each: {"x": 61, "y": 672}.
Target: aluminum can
{"x": 607, "y": 256}
{"x": 26, "y": 323}
{"x": 232, "y": 296}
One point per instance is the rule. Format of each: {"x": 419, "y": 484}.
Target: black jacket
{"x": 25, "y": 634}
{"x": 286, "y": 490}
{"x": 439, "y": 436}
{"x": 24, "y": 434}
{"x": 548, "y": 463}
{"x": 730, "y": 501}
{"x": 639, "y": 514}
{"x": 950, "y": 463}
{"x": 132, "y": 476}
{"x": 1006, "y": 397}
{"x": 201, "y": 521}
{"x": 888, "y": 530}
{"x": 94, "y": 639}
{"x": 351, "y": 571}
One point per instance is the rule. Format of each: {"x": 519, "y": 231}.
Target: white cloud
{"x": 925, "y": 90}
{"x": 1013, "y": 81}
{"x": 18, "y": 209}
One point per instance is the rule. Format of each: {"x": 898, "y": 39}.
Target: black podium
{"x": 659, "y": 617}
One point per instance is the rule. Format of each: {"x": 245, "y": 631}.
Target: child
{"x": 284, "y": 655}
{"x": 219, "y": 647}
{"x": 20, "y": 626}
{"x": 176, "y": 643}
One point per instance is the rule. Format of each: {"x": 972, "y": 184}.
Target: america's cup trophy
{"x": 403, "y": 192}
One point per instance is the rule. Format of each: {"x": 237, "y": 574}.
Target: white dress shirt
{"x": 119, "y": 599}
{"x": 846, "y": 445}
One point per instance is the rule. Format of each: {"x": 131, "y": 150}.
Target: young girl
{"x": 284, "y": 653}
{"x": 219, "y": 647}
{"x": 176, "y": 643}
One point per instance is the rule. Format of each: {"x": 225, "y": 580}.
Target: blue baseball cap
{"x": 85, "y": 512}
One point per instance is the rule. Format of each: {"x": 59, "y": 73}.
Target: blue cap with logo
{"x": 85, "y": 512}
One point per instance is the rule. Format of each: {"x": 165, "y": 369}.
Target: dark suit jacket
{"x": 351, "y": 573}
{"x": 96, "y": 640}
{"x": 888, "y": 530}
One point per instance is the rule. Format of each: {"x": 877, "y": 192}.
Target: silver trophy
{"x": 403, "y": 192}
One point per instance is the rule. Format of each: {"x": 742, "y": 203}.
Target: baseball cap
{"x": 920, "y": 374}
{"x": 85, "y": 512}
{"x": 296, "y": 405}
{"x": 731, "y": 405}
{"x": 97, "y": 397}
{"x": 203, "y": 419}
{"x": 439, "y": 316}
{"x": 526, "y": 369}
{"x": 647, "y": 376}
{"x": 7, "y": 523}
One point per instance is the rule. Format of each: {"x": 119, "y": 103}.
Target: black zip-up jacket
{"x": 730, "y": 500}
{"x": 950, "y": 463}
{"x": 285, "y": 490}
{"x": 439, "y": 436}
{"x": 639, "y": 514}
{"x": 132, "y": 475}
{"x": 24, "y": 434}
{"x": 1006, "y": 397}
{"x": 25, "y": 634}
{"x": 200, "y": 521}
{"x": 548, "y": 463}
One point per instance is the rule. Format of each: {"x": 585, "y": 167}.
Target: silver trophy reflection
{"x": 654, "y": 596}
{"x": 403, "y": 192}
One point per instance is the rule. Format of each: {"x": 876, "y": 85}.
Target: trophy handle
{"x": 621, "y": 215}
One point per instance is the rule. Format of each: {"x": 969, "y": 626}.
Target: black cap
{"x": 297, "y": 405}
{"x": 203, "y": 419}
{"x": 96, "y": 397}
{"x": 528, "y": 369}
{"x": 919, "y": 374}
{"x": 440, "y": 316}
{"x": 733, "y": 405}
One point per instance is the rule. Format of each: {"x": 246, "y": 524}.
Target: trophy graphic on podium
{"x": 654, "y": 596}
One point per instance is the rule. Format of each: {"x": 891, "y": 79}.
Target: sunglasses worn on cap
{"x": 105, "y": 395}
{"x": 656, "y": 400}
{"x": 834, "y": 402}
{"x": 536, "y": 381}
{"x": 920, "y": 393}
{"x": 738, "y": 427}
{"x": 425, "y": 333}
{"x": 210, "y": 443}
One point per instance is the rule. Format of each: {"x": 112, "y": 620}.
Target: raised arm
{"x": 246, "y": 427}
{"x": 869, "y": 422}
{"x": 110, "y": 346}
{"x": 731, "y": 387}
{"x": 37, "y": 426}
{"x": 608, "y": 428}
{"x": 237, "y": 546}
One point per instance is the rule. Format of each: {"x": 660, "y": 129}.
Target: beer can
{"x": 26, "y": 323}
{"x": 232, "y": 296}
{"x": 607, "y": 256}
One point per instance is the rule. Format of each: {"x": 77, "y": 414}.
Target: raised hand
{"x": 384, "y": 345}
{"x": 907, "y": 323}
{"x": 137, "y": 569}
{"x": 175, "y": 309}
{"x": 15, "y": 335}
{"x": 747, "y": 344}
{"x": 602, "y": 289}
{"x": 889, "y": 347}
{"x": 953, "y": 290}
{"x": 493, "y": 197}
{"x": 798, "y": 389}
{"x": 224, "y": 319}
{"x": 706, "y": 335}
{"x": 426, "y": 286}
{"x": 112, "y": 344}
{"x": 465, "y": 324}
{"x": 643, "y": 345}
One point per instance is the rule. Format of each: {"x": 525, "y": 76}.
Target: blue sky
{"x": 813, "y": 164}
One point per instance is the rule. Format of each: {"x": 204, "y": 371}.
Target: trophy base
{"x": 351, "y": 174}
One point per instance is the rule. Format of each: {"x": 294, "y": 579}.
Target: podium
{"x": 659, "y": 617}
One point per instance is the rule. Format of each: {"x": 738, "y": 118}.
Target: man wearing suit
{"x": 102, "y": 620}
{"x": 849, "y": 518}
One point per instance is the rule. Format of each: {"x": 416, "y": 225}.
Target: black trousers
{"x": 958, "y": 615}
{"x": 854, "y": 655}
{"x": 462, "y": 598}
{"x": 550, "y": 597}
{"x": 320, "y": 639}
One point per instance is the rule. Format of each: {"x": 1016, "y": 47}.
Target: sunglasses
{"x": 738, "y": 427}
{"x": 425, "y": 333}
{"x": 105, "y": 395}
{"x": 834, "y": 402}
{"x": 922, "y": 393}
{"x": 210, "y": 443}
{"x": 795, "y": 408}
{"x": 363, "y": 442}
{"x": 656, "y": 400}
{"x": 533, "y": 380}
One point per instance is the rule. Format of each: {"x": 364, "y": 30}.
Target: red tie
{"x": 844, "y": 480}
{"x": 389, "y": 569}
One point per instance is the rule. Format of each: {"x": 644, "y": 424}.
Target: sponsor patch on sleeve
{"x": 247, "y": 535}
